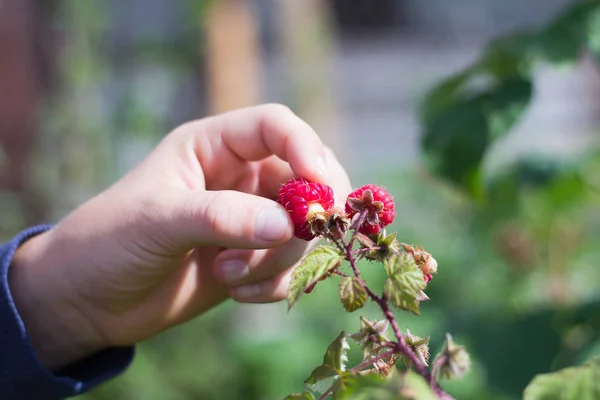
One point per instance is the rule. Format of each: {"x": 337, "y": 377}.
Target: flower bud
{"x": 454, "y": 361}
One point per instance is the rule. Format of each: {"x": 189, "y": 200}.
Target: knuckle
{"x": 278, "y": 110}
{"x": 222, "y": 214}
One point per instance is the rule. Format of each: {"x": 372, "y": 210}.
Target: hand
{"x": 192, "y": 224}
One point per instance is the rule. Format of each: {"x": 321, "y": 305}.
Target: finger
{"x": 274, "y": 172}
{"x": 255, "y": 133}
{"x": 228, "y": 219}
{"x": 269, "y": 291}
{"x": 338, "y": 178}
{"x": 239, "y": 267}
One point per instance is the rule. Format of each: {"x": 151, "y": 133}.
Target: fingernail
{"x": 234, "y": 270}
{"x": 248, "y": 291}
{"x": 321, "y": 166}
{"x": 272, "y": 223}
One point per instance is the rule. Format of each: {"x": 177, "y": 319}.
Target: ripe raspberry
{"x": 303, "y": 200}
{"x": 379, "y": 204}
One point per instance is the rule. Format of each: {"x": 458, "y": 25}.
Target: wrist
{"x": 57, "y": 329}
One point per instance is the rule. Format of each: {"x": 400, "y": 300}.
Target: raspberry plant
{"x": 395, "y": 366}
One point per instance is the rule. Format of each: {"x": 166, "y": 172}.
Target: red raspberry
{"x": 303, "y": 199}
{"x": 379, "y": 204}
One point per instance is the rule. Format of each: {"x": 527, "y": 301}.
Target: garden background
{"x": 506, "y": 198}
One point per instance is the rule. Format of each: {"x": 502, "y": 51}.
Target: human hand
{"x": 192, "y": 224}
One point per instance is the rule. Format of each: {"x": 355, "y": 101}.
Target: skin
{"x": 190, "y": 226}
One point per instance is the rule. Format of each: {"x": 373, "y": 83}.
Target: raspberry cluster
{"x": 310, "y": 202}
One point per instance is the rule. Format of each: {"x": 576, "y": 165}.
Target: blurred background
{"x": 498, "y": 180}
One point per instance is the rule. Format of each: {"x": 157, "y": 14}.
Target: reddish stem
{"x": 373, "y": 360}
{"x": 401, "y": 346}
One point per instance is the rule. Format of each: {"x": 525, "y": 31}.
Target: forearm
{"x": 33, "y": 337}
{"x": 58, "y": 332}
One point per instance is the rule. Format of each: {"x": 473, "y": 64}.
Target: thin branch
{"x": 401, "y": 346}
{"x": 365, "y": 250}
{"x": 373, "y": 360}
{"x": 340, "y": 273}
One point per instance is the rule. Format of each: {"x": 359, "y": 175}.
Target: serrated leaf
{"x": 405, "y": 281}
{"x": 320, "y": 373}
{"x": 334, "y": 363}
{"x": 404, "y": 301}
{"x": 314, "y": 266}
{"x": 335, "y": 356}
{"x": 321, "y": 378}
{"x": 352, "y": 294}
{"x": 403, "y": 271}
{"x": 575, "y": 383}
{"x": 300, "y": 396}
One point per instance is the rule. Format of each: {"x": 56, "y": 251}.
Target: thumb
{"x": 230, "y": 219}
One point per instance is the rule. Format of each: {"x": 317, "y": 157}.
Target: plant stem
{"x": 324, "y": 395}
{"x": 401, "y": 346}
{"x": 340, "y": 273}
{"x": 373, "y": 360}
{"x": 365, "y": 250}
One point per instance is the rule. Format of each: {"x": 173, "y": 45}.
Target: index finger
{"x": 255, "y": 133}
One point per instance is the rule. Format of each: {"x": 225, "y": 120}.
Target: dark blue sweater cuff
{"x": 21, "y": 374}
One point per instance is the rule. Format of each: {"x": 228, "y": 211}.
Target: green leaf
{"x": 405, "y": 281}
{"x": 575, "y": 383}
{"x": 314, "y": 266}
{"x": 324, "y": 376}
{"x": 443, "y": 95}
{"x": 404, "y": 301}
{"x": 594, "y": 34}
{"x": 397, "y": 386}
{"x": 510, "y": 56}
{"x": 321, "y": 378}
{"x": 352, "y": 294}
{"x": 300, "y": 396}
{"x": 416, "y": 388}
{"x": 320, "y": 373}
{"x": 335, "y": 356}
{"x": 563, "y": 40}
{"x": 506, "y": 104}
{"x": 362, "y": 387}
{"x": 456, "y": 138}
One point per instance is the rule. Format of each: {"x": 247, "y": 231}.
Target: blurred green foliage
{"x": 517, "y": 248}
{"x": 463, "y": 115}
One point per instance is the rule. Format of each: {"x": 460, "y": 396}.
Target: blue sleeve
{"x": 21, "y": 374}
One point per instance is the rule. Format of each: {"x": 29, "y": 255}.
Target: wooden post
{"x": 233, "y": 56}
{"x": 26, "y": 45}
{"x": 307, "y": 42}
